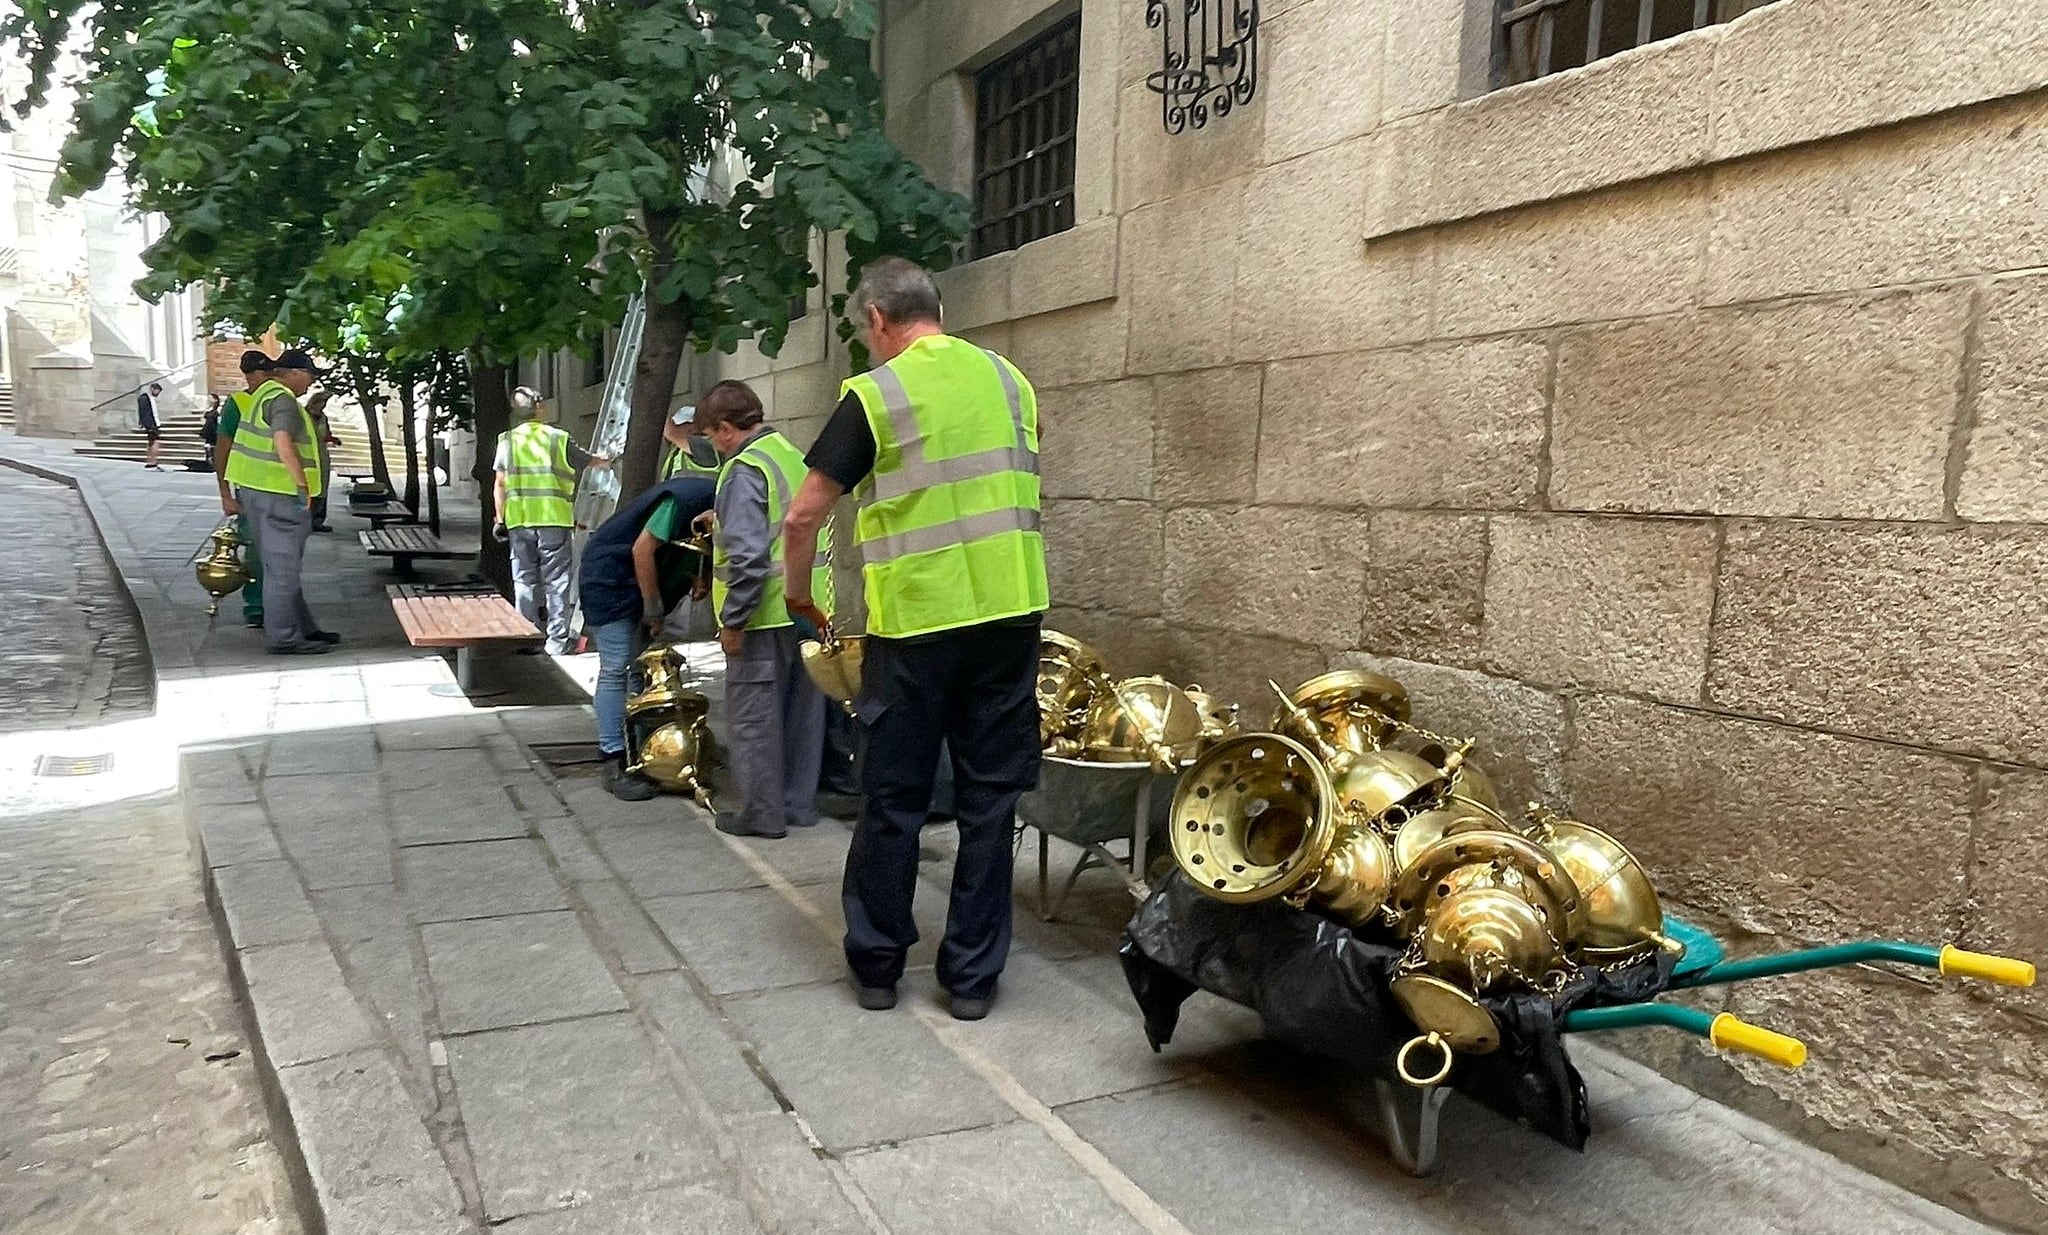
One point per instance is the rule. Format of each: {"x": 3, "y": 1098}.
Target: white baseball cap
{"x": 684, "y": 414}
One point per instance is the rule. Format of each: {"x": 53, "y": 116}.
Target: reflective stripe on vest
{"x": 782, "y": 465}
{"x": 253, "y": 461}
{"x": 950, "y": 528}
{"x": 540, "y": 486}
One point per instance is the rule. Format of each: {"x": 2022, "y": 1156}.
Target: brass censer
{"x": 219, "y": 566}
{"x": 668, "y": 738}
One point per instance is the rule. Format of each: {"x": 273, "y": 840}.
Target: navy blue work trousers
{"x": 974, "y": 690}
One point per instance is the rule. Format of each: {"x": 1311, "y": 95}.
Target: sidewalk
{"x": 493, "y": 997}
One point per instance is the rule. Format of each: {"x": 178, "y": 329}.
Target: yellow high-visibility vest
{"x": 253, "y": 461}
{"x": 540, "y": 486}
{"x": 781, "y": 464}
{"x": 950, "y": 527}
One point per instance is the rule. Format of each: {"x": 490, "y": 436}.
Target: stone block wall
{"x": 1678, "y": 426}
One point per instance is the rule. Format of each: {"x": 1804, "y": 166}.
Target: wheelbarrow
{"x": 1411, "y": 1127}
{"x": 1094, "y": 805}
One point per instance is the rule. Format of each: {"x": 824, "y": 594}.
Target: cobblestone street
{"x": 129, "y": 1099}
{"x": 74, "y": 654}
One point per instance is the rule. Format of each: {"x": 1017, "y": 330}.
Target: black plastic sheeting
{"x": 1321, "y": 988}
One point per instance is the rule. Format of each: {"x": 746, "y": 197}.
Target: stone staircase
{"x": 181, "y": 443}
{"x": 6, "y": 407}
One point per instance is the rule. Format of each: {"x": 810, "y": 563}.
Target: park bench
{"x": 405, "y": 545}
{"x": 381, "y": 514}
{"x": 441, "y": 617}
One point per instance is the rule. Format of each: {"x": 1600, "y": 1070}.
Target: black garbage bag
{"x": 1321, "y": 988}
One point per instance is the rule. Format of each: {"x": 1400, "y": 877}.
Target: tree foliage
{"x": 492, "y": 178}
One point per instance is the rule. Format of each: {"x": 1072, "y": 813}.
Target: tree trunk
{"x": 491, "y": 405}
{"x": 409, "y": 430}
{"x": 366, "y": 393}
{"x": 662, "y": 344}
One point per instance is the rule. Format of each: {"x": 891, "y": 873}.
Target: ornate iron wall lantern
{"x": 1210, "y": 58}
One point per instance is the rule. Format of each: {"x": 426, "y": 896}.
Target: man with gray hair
{"x": 942, "y": 441}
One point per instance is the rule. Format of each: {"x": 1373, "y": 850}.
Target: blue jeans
{"x": 617, "y": 644}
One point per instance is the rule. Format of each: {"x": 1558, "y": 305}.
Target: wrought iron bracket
{"x": 1209, "y": 59}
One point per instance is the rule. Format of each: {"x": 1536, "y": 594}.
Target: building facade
{"x": 1676, "y": 423}
{"x": 78, "y": 343}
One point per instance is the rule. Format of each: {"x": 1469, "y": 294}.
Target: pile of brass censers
{"x": 1348, "y": 810}
{"x": 1084, "y": 713}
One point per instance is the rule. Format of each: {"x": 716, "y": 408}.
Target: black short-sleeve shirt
{"x": 845, "y": 449}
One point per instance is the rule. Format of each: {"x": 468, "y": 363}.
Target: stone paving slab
{"x": 717, "y": 1062}
{"x": 346, "y": 851}
{"x": 1008, "y": 1178}
{"x": 791, "y": 1185}
{"x": 481, "y": 879}
{"x": 745, "y": 940}
{"x": 806, "y": 1037}
{"x": 236, "y": 833}
{"x": 303, "y": 1004}
{"x": 695, "y": 1210}
{"x": 265, "y": 903}
{"x": 560, "y": 1115}
{"x": 374, "y": 1174}
{"x": 492, "y": 973}
{"x": 638, "y": 943}
{"x": 673, "y": 856}
{"x": 445, "y": 816}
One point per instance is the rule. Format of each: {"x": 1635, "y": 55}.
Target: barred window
{"x": 1541, "y": 37}
{"x": 1025, "y": 107}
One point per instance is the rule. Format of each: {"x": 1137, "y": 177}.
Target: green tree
{"x": 514, "y": 168}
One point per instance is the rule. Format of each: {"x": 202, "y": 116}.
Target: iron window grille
{"x": 1025, "y": 111}
{"x": 1540, "y": 37}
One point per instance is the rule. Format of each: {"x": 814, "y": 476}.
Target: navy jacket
{"x": 609, "y": 590}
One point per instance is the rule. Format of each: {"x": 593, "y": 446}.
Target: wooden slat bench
{"x": 404, "y": 545}
{"x": 382, "y": 514}
{"x": 461, "y": 621}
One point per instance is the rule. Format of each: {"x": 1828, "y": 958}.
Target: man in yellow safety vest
{"x": 690, "y": 453}
{"x": 234, "y": 409}
{"x": 274, "y": 467}
{"x": 537, "y": 465}
{"x": 776, "y": 715}
{"x": 942, "y": 441}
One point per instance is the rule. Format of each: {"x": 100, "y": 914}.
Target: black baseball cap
{"x": 254, "y": 361}
{"x": 293, "y": 358}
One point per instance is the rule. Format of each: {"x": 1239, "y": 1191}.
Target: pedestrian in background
{"x": 775, "y": 713}
{"x": 255, "y": 366}
{"x": 636, "y": 568}
{"x": 145, "y": 411}
{"x": 274, "y": 466}
{"x": 323, "y": 437}
{"x": 537, "y": 466}
{"x": 943, "y": 440}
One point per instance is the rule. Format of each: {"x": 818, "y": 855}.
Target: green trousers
{"x": 252, "y": 591}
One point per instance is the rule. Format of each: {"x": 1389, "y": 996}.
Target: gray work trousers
{"x": 541, "y": 563}
{"x": 777, "y": 719}
{"x": 281, "y": 523}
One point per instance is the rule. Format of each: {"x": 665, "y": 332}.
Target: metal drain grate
{"x": 74, "y": 765}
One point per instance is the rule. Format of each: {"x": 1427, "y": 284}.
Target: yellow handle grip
{"x": 1730, "y": 1032}
{"x": 2004, "y": 970}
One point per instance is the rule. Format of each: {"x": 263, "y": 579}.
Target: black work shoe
{"x": 967, "y": 1008}
{"x": 729, "y": 823}
{"x": 253, "y": 623}
{"x": 626, "y": 786}
{"x": 302, "y": 649}
{"x": 327, "y": 637}
{"x": 875, "y": 998}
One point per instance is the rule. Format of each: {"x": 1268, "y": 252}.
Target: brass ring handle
{"x": 1434, "y": 1079}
